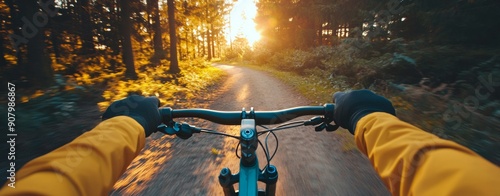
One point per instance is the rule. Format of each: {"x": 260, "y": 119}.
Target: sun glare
{"x": 242, "y": 21}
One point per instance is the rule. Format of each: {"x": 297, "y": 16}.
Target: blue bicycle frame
{"x": 249, "y": 172}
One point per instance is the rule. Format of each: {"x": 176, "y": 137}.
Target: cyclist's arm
{"x": 89, "y": 165}
{"x": 413, "y": 162}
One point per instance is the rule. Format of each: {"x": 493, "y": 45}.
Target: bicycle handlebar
{"x": 261, "y": 117}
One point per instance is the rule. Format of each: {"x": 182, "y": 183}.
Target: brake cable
{"x": 265, "y": 148}
{"x": 219, "y": 133}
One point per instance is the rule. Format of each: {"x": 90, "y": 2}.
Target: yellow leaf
{"x": 215, "y": 151}
{"x": 37, "y": 94}
{"x": 24, "y": 99}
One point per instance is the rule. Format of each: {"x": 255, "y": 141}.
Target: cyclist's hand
{"x": 352, "y": 106}
{"x": 142, "y": 109}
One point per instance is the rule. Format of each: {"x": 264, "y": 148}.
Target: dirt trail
{"x": 308, "y": 163}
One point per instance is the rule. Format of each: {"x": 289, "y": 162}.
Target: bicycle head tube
{"x": 249, "y": 142}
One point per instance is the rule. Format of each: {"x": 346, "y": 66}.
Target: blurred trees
{"x": 201, "y": 24}
{"x": 302, "y": 24}
{"x": 38, "y": 68}
{"x": 401, "y": 41}
{"x": 437, "y": 53}
{"x": 472, "y": 22}
{"x": 154, "y": 11}
{"x": 41, "y": 36}
{"x": 126, "y": 28}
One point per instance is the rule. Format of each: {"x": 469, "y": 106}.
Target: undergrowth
{"x": 170, "y": 89}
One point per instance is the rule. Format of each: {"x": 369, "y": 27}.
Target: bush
{"x": 232, "y": 55}
{"x": 261, "y": 54}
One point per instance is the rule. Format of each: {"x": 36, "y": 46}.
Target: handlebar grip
{"x": 261, "y": 117}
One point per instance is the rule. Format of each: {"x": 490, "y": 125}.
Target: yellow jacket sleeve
{"x": 413, "y": 162}
{"x": 89, "y": 165}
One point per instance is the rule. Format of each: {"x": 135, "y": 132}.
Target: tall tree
{"x": 207, "y": 30}
{"x": 174, "y": 62}
{"x": 3, "y": 62}
{"x": 3, "y": 34}
{"x": 86, "y": 27}
{"x": 15, "y": 25}
{"x": 107, "y": 15}
{"x": 127, "y": 53}
{"x": 157, "y": 41}
{"x": 38, "y": 69}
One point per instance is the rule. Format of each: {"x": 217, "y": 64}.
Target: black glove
{"x": 143, "y": 110}
{"x": 352, "y": 106}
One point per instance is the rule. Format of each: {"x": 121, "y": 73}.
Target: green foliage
{"x": 195, "y": 76}
{"x": 290, "y": 60}
{"x": 261, "y": 55}
{"x": 239, "y": 50}
{"x": 365, "y": 63}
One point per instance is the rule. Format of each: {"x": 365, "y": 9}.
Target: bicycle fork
{"x": 269, "y": 177}
{"x": 249, "y": 172}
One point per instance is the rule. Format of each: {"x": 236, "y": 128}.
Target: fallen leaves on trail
{"x": 215, "y": 151}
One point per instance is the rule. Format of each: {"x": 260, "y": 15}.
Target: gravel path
{"x": 308, "y": 163}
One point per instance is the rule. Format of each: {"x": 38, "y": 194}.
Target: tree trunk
{"x": 208, "y": 33}
{"x": 3, "y": 62}
{"x": 56, "y": 42}
{"x": 209, "y": 47}
{"x": 320, "y": 33}
{"x": 196, "y": 47}
{"x": 218, "y": 46}
{"x": 174, "y": 63}
{"x": 212, "y": 40}
{"x": 158, "y": 44}
{"x": 203, "y": 52}
{"x": 179, "y": 46}
{"x": 150, "y": 12}
{"x": 127, "y": 53}
{"x": 88, "y": 46}
{"x": 15, "y": 24}
{"x": 115, "y": 46}
{"x": 187, "y": 44}
{"x": 39, "y": 71}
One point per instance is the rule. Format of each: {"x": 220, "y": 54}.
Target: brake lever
{"x": 331, "y": 128}
{"x": 169, "y": 130}
{"x": 183, "y": 131}
{"x": 314, "y": 121}
{"x": 324, "y": 124}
